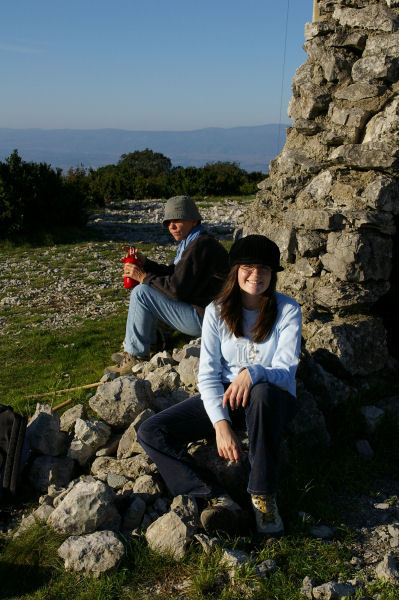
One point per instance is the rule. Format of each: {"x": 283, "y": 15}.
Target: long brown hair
{"x": 230, "y": 302}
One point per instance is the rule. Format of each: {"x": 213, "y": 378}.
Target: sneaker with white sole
{"x": 221, "y": 514}
{"x": 268, "y": 520}
{"x": 125, "y": 365}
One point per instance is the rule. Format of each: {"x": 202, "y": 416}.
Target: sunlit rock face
{"x": 331, "y": 201}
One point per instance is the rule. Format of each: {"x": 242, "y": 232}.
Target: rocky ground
{"x": 142, "y": 220}
{"x": 60, "y": 286}
{"x": 64, "y": 277}
{"x": 125, "y": 493}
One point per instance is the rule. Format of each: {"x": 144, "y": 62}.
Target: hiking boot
{"x": 117, "y": 357}
{"x": 125, "y": 365}
{"x": 268, "y": 520}
{"x": 221, "y": 514}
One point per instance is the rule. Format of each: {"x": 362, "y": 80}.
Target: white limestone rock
{"x": 358, "y": 257}
{"x": 170, "y": 534}
{"x": 131, "y": 467}
{"x": 164, "y": 378}
{"x": 370, "y": 68}
{"x": 374, "y": 17}
{"x": 120, "y": 401}
{"x": 343, "y": 345}
{"x": 333, "y": 591}
{"x": 382, "y": 194}
{"x": 69, "y": 417}
{"x": 43, "y": 432}
{"x": 91, "y": 432}
{"x": 188, "y": 371}
{"x": 87, "y": 507}
{"x": 387, "y": 569}
{"x": 128, "y": 442}
{"x": 93, "y": 554}
{"x": 364, "y": 449}
{"x": 147, "y": 487}
{"x": 372, "y": 416}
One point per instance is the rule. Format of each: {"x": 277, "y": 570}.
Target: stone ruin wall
{"x": 331, "y": 199}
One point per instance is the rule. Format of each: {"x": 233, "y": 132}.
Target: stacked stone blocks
{"x": 331, "y": 199}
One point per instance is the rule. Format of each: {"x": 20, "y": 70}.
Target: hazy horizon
{"x": 252, "y": 147}
{"x": 175, "y": 66}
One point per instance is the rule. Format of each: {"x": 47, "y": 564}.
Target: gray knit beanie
{"x": 180, "y": 207}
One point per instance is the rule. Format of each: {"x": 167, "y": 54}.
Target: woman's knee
{"x": 264, "y": 394}
{"x": 272, "y": 401}
{"x": 148, "y": 431}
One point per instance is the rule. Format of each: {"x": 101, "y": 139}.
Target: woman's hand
{"x": 227, "y": 441}
{"x": 133, "y": 271}
{"x": 238, "y": 391}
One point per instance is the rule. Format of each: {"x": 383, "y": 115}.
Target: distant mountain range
{"x": 253, "y": 147}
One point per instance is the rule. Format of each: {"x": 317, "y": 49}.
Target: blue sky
{"x": 152, "y": 65}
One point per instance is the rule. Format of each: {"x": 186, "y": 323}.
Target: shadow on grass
{"x": 18, "y": 580}
{"x": 333, "y": 484}
{"x": 76, "y": 235}
{"x": 29, "y": 561}
{"x": 57, "y": 235}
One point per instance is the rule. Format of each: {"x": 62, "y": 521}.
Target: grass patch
{"x": 41, "y": 361}
{"x": 227, "y": 244}
{"x": 143, "y": 574}
{"x": 383, "y": 590}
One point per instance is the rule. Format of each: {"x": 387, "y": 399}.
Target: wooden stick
{"x": 62, "y": 404}
{"x": 80, "y": 387}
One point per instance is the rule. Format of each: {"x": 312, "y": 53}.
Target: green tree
{"x": 35, "y": 195}
{"x": 250, "y": 186}
{"x": 144, "y": 174}
{"x": 79, "y": 178}
{"x": 106, "y": 184}
{"x": 12, "y": 193}
{"x": 221, "y": 178}
{"x": 146, "y": 163}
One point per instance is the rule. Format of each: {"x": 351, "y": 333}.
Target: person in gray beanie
{"x": 175, "y": 294}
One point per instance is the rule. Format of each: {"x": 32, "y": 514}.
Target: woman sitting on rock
{"x": 249, "y": 354}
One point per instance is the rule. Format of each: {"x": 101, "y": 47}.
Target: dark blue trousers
{"x": 165, "y": 436}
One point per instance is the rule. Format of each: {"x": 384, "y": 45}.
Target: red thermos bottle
{"x": 131, "y": 257}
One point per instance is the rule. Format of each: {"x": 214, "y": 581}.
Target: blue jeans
{"x": 147, "y": 305}
{"x": 165, "y": 437}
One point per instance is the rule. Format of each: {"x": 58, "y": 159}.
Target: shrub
{"x": 36, "y": 196}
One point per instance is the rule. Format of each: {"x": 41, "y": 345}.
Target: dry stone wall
{"x": 331, "y": 201}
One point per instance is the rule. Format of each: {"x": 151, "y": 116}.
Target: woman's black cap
{"x": 255, "y": 250}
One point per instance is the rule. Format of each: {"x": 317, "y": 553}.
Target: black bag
{"x": 12, "y": 434}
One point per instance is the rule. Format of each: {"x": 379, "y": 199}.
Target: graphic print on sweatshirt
{"x": 246, "y": 352}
